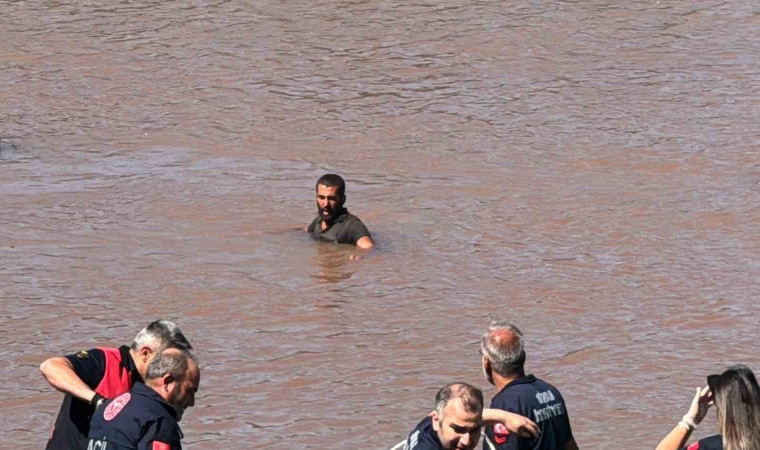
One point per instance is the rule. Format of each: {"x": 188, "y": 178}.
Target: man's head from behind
{"x": 503, "y": 351}
{"x": 331, "y": 196}
{"x": 458, "y": 416}
{"x": 176, "y": 377}
{"x": 155, "y": 338}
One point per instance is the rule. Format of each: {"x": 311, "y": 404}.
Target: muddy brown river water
{"x": 588, "y": 169}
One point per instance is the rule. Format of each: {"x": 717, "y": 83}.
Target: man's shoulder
{"x": 349, "y": 218}
{"x": 131, "y": 418}
{"x": 543, "y": 385}
{"x": 352, "y": 223}
{"x": 525, "y": 390}
{"x": 310, "y": 228}
{"x": 134, "y": 408}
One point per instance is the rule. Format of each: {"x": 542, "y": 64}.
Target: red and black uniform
{"x": 108, "y": 371}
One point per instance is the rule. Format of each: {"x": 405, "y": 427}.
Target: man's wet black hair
{"x": 333, "y": 180}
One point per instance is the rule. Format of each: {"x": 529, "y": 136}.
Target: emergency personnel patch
{"x": 500, "y": 433}
{"x": 160, "y": 446}
{"x": 83, "y": 354}
{"x": 115, "y": 407}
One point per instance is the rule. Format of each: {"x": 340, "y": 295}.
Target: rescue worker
{"x": 503, "y": 364}
{"x": 145, "y": 418}
{"x": 89, "y": 377}
{"x": 457, "y": 420}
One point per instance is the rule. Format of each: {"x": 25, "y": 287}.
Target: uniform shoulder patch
{"x": 115, "y": 407}
{"x": 500, "y": 433}
{"x": 83, "y": 354}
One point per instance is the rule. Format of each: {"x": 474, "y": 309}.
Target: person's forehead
{"x": 193, "y": 372}
{"x": 326, "y": 190}
{"x": 455, "y": 413}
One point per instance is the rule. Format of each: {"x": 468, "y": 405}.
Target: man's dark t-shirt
{"x": 347, "y": 229}
{"x": 538, "y": 401}
{"x": 424, "y": 437}
{"x": 709, "y": 443}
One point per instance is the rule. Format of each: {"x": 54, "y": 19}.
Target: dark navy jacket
{"x": 137, "y": 420}
{"x": 709, "y": 443}
{"x": 538, "y": 401}
{"x": 424, "y": 437}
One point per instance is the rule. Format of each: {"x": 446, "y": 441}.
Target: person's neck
{"x": 499, "y": 381}
{"x": 142, "y": 368}
{"x": 330, "y": 221}
{"x": 157, "y": 385}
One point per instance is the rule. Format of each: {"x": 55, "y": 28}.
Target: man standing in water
{"x": 503, "y": 364}
{"x": 334, "y": 223}
{"x": 90, "y": 377}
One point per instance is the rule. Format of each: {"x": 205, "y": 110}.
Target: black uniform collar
{"x": 129, "y": 364}
{"x": 427, "y": 426}
{"x": 527, "y": 379}
{"x": 146, "y": 391}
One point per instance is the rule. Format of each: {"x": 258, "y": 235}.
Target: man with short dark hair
{"x": 334, "y": 223}
{"x": 457, "y": 420}
{"x": 503, "y": 363}
{"x": 145, "y": 418}
{"x": 91, "y": 376}
{"x": 454, "y": 424}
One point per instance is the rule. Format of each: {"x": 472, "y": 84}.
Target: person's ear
{"x": 436, "y": 420}
{"x": 145, "y": 353}
{"x": 168, "y": 380}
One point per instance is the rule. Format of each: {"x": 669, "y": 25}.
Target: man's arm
{"x": 310, "y": 227}
{"x": 59, "y": 373}
{"x": 365, "y": 242}
{"x": 515, "y": 423}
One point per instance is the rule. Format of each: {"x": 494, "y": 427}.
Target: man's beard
{"x": 488, "y": 375}
{"x": 174, "y": 401}
{"x": 329, "y": 215}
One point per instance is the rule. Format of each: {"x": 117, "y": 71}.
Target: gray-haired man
{"x": 503, "y": 364}
{"x": 89, "y": 377}
{"x": 146, "y": 417}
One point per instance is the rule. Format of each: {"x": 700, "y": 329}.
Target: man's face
{"x": 486, "y": 366}
{"x": 457, "y": 428}
{"x": 182, "y": 395}
{"x": 329, "y": 202}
